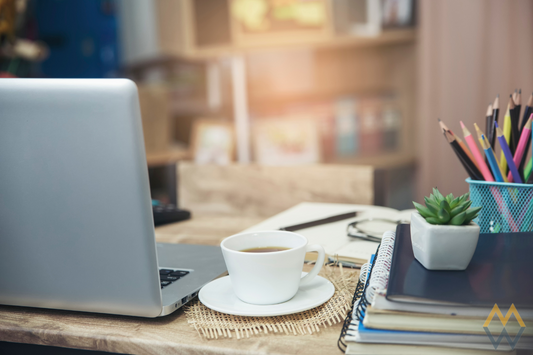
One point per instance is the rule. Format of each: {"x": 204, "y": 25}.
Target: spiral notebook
{"x": 372, "y": 289}
{"x": 380, "y": 264}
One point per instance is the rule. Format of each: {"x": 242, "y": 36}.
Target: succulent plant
{"x": 447, "y": 210}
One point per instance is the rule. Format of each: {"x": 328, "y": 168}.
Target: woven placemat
{"x": 212, "y": 324}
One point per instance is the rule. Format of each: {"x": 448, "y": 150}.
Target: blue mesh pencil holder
{"x": 507, "y": 207}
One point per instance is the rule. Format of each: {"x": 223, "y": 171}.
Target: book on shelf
{"x": 352, "y": 125}
{"x": 436, "y": 322}
{"x": 333, "y": 236}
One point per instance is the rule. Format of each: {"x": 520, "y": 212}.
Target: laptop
{"x": 76, "y": 225}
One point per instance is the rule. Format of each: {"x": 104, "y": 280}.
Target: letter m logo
{"x": 504, "y": 320}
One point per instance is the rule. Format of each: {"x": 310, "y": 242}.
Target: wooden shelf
{"x": 387, "y": 37}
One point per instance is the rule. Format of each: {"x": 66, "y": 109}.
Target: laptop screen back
{"x": 75, "y": 212}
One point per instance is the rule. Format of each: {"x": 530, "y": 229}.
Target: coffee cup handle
{"x": 318, "y": 265}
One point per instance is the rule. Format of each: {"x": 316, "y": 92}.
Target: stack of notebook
{"x": 407, "y": 309}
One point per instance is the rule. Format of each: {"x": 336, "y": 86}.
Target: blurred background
{"x": 289, "y": 82}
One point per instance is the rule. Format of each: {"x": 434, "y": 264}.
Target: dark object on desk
{"x": 319, "y": 222}
{"x": 166, "y": 214}
{"x": 501, "y": 271}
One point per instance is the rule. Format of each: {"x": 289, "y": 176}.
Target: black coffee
{"x": 264, "y": 249}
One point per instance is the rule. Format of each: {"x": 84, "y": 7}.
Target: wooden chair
{"x": 263, "y": 191}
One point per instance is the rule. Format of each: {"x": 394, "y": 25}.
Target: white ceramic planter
{"x": 443, "y": 247}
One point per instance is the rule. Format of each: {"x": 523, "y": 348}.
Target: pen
{"x": 319, "y": 222}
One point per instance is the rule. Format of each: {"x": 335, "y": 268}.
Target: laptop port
{"x": 184, "y": 300}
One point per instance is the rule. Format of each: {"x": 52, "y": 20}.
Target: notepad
{"x": 333, "y": 236}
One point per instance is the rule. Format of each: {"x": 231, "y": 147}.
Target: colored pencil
{"x": 469, "y": 166}
{"x": 475, "y": 151}
{"x": 489, "y": 154}
{"x": 530, "y": 178}
{"x": 507, "y": 135}
{"x": 527, "y": 170}
{"x": 521, "y": 148}
{"x": 482, "y": 141}
{"x": 460, "y": 142}
{"x": 508, "y": 154}
{"x": 528, "y": 110}
{"x": 515, "y": 131}
{"x": 488, "y": 126}
{"x": 518, "y": 103}
{"x": 488, "y": 122}
{"x": 495, "y": 114}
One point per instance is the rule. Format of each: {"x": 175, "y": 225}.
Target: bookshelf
{"x": 344, "y": 65}
{"x": 386, "y": 38}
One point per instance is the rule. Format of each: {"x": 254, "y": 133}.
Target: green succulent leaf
{"x": 466, "y": 205}
{"x": 465, "y": 197}
{"x": 423, "y": 210}
{"x": 455, "y": 211}
{"x": 455, "y": 202}
{"x": 432, "y": 206}
{"x": 459, "y": 219}
{"x": 449, "y": 198}
{"x": 447, "y": 210}
{"x": 444, "y": 204}
{"x": 474, "y": 209}
{"x": 438, "y": 195}
{"x": 443, "y": 215}
{"x": 431, "y": 199}
{"x": 472, "y": 213}
{"x": 433, "y": 220}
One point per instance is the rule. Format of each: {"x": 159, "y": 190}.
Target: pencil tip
{"x": 462, "y": 124}
{"x": 496, "y": 124}
{"x": 438, "y": 119}
{"x": 519, "y": 91}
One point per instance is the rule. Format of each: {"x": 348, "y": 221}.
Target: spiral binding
{"x": 373, "y": 276}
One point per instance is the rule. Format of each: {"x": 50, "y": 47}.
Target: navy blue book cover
{"x": 501, "y": 271}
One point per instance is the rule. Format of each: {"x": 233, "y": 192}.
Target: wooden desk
{"x": 161, "y": 336}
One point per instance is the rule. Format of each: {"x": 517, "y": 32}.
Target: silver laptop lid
{"x": 76, "y": 229}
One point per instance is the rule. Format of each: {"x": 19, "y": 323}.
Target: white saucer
{"x": 218, "y": 295}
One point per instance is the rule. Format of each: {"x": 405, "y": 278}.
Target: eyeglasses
{"x": 358, "y": 229}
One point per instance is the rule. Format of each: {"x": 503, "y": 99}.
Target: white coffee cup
{"x": 268, "y": 277}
